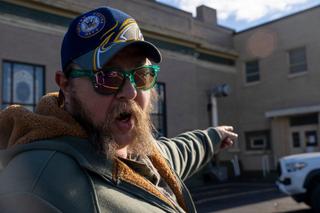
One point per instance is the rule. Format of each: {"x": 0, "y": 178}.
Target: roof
{"x": 280, "y": 19}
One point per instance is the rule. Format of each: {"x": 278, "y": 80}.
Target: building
{"x": 271, "y": 69}
{"x": 278, "y": 91}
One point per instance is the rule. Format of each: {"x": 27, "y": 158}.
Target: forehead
{"x": 129, "y": 56}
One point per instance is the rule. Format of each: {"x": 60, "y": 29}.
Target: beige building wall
{"x": 280, "y": 137}
{"x": 183, "y": 41}
{"x": 277, "y": 90}
{"x": 30, "y": 42}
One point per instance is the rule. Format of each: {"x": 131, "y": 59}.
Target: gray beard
{"x": 96, "y": 134}
{"x": 100, "y": 135}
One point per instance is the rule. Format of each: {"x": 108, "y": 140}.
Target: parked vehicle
{"x": 299, "y": 177}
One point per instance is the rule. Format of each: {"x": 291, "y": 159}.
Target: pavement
{"x": 244, "y": 197}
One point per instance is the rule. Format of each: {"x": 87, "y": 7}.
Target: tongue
{"x": 124, "y": 125}
{"x": 124, "y": 119}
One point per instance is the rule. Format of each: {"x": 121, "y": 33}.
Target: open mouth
{"x": 124, "y": 116}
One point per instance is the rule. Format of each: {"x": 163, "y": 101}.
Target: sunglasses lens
{"x": 144, "y": 78}
{"x": 109, "y": 82}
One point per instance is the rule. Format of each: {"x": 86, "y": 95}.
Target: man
{"x": 90, "y": 148}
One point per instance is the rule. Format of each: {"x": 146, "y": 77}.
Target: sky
{"x": 243, "y": 14}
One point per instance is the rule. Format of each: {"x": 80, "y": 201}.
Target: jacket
{"x": 48, "y": 165}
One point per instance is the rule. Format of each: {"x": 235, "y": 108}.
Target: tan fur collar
{"x": 166, "y": 173}
{"x": 21, "y": 126}
{"x": 122, "y": 171}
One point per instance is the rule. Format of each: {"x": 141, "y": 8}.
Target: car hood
{"x": 304, "y": 156}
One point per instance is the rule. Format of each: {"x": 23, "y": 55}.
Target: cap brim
{"x": 92, "y": 61}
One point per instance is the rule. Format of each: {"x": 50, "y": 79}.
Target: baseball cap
{"x": 94, "y": 37}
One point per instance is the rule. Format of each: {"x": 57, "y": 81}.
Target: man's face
{"x": 119, "y": 123}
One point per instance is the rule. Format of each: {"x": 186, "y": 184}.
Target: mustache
{"x": 142, "y": 132}
{"x": 125, "y": 107}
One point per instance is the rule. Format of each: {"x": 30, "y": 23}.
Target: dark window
{"x": 305, "y": 119}
{"x": 258, "y": 140}
{"x": 298, "y": 60}
{"x": 296, "y": 140}
{"x": 158, "y": 114}
{"x": 252, "y": 71}
{"x": 22, "y": 84}
{"x": 311, "y": 138}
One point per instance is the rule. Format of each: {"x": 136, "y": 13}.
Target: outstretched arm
{"x": 190, "y": 151}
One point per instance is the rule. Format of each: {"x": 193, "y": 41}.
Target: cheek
{"x": 97, "y": 105}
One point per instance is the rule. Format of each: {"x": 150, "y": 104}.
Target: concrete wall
{"x": 157, "y": 18}
{"x": 277, "y": 89}
{"x": 187, "y": 84}
{"x": 187, "y": 78}
{"x": 28, "y": 42}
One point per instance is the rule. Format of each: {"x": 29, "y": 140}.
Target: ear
{"x": 62, "y": 81}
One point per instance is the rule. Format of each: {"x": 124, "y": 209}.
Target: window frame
{"x": 293, "y": 142}
{"x": 162, "y": 114}
{"x": 250, "y": 136}
{"x": 259, "y": 137}
{"x": 254, "y": 74}
{"x": 299, "y": 63}
{"x": 34, "y": 67}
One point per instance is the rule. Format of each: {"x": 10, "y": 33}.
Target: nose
{"x": 127, "y": 92}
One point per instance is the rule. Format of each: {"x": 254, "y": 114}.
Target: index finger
{"x": 232, "y": 135}
{"x": 228, "y": 128}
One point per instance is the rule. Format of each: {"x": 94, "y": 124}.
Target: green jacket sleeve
{"x": 190, "y": 151}
{"x": 44, "y": 181}
{"x": 26, "y": 203}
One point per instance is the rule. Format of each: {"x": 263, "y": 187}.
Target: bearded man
{"x": 90, "y": 148}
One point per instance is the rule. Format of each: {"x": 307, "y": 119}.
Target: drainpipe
{"x": 218, "y": 91}
{"x": 222, "y": 90}
{"x": 214, "y": 110}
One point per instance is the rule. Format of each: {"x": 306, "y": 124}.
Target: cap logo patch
{"x": 90, "y": 24}
{"x": 129, "y": 31}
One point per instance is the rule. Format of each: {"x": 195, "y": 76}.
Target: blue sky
{"x": 243, "y": 14}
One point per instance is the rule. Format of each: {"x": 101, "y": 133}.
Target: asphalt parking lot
{"x": 245, "y": 197}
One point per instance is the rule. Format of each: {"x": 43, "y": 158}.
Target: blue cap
{"x": 94, "y": 37}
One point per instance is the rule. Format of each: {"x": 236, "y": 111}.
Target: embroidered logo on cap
{"x": 128, "y": 31}
{"x": 90, "y": 24}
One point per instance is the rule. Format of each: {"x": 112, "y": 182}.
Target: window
{"x": 258, "y": 140}
{"x": 296, "y": 140}
{"x": 298, "y": 60}
{"x": 22, "y": 84}
{"x": 311, "y": 138}
{"x": 304, "y": 119}
{"x": 158, "y": 114}
{"x": 252, "y": 71}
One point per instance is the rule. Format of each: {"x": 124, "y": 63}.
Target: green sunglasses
{"x": 111, "y": 80}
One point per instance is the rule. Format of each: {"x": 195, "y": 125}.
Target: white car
{"x": 299, "y": 177}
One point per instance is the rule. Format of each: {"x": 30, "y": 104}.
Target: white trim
{"x": 259, "y": 137}
{"x": 292, "y": 111}
{"x": 298, "y": 74}
{"x": 253, "y": 83}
